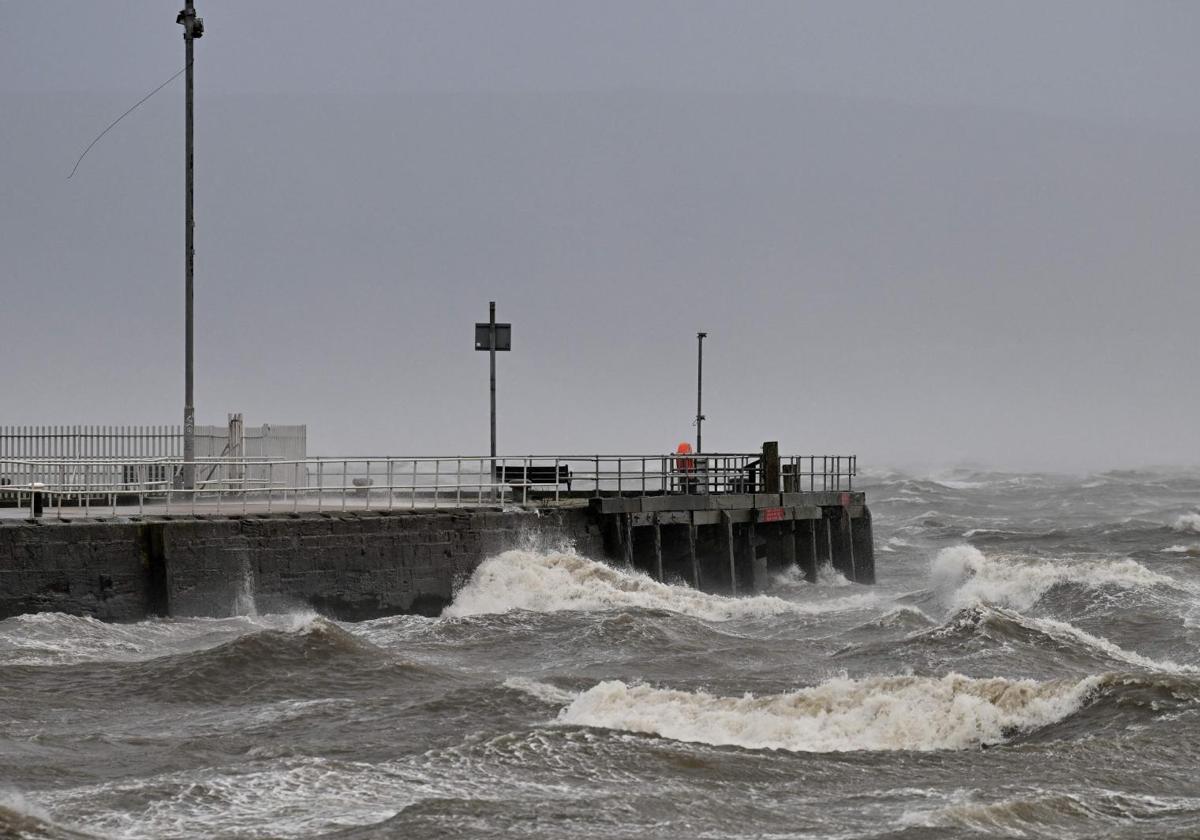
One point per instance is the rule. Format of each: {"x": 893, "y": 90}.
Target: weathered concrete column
{"x": 848, "y": 527}
{"x": 627, "y": 539}
{"x": 806, "y": 548}
{"x": 658, "y": 560}
{"x": 864, "y": 548}
{"x": 692, "y": 554}
{"x": 756, "y": 564}
{"x": 731, "y": 550}
{"x": 829, "y": 558}
{"x": 788, "y": 544}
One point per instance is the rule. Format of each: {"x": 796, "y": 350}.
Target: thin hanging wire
{"x": 123, "y": 116}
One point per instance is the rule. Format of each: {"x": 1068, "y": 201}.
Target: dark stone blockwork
{"x": 346, "y": 566}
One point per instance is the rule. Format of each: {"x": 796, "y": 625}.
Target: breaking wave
{"x": 953, "y": 712}
{"x": 553, "y": 581}
{"x": 964, "y": 576}
{"x": 1006, "y": 627}
{"x": 61, "y": 639}
{"x": 1189, "y": 523}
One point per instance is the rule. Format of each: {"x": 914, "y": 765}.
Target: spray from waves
{"x": 20, "y": 818}
{"x": 953, "y": 712}
{"x": 793, "y": 576}
{"x": 1189, "y": 523}
{"x": 553, "y": 581}
{"x": 964, "y": 576}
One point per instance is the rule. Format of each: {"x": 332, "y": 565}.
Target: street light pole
{"x": 700, "y": 336}
{"x": 492, "y": 353}
{"x": 193, "y": 28}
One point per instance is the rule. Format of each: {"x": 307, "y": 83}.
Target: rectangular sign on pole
{"x": 503, "y": 337}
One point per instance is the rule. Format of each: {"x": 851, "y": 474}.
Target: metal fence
{"x": 383, "y": 482}
{"x": 87, "y": 442}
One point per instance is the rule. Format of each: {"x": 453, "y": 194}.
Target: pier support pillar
{"x": 788, "y": 543}
{"x": 731, "y": 551}
{"x": 692, "y": 555}
{"x": 864, "y": 548}
{"x": 658, "y": 554}
{"x": 627, "y": 539}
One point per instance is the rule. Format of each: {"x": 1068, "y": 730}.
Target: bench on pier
{"x": 530, "y": 476}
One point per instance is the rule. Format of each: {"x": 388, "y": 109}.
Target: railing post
{"x": 437, "y": 474}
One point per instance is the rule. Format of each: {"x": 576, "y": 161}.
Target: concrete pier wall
{"x": 347, "y": 566}
{"x": 362, "y": 565}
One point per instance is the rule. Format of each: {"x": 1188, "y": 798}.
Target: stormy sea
{"x": 1027, "y": 666}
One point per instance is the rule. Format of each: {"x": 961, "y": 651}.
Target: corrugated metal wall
{"x": 34, "y": 443}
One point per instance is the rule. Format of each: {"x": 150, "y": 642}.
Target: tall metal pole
{"x": 492, "y": 354}
{"x": 699, "y": 386}
{"x": 193, "y": 28}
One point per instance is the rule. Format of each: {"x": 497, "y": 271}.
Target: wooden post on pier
{"x": 658, "y": 564}
{"x": 770, "y": 467}
{"x": 729, "y": 547}
{"x": 811, "y": 571}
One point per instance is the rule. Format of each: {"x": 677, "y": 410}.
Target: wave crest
{"x": 1189, "y": 523}
{"x": 953, "y": 712}
{"x": 964, "y": 576}
{"x": 553, "y": 581}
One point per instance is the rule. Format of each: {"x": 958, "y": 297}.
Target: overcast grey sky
{"x": 922, "y": 232}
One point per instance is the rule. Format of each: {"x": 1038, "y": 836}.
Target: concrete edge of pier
{"x": 358, "y": 565}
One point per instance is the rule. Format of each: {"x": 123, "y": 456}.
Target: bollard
{"x": 36, "y": 499}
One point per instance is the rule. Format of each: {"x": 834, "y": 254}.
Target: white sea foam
{"x": 964, "y": 576}
{"x": 553, "y": 581}
{"x": 879, "y": 713}
{"x": 60, "y": 639}
{"x": 542, "y": 691}
{"x": 1189, "y": 523}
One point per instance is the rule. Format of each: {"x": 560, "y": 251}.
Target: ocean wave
{"x": 1189, "y": 523}
{"x": 953, "y": 712}
{"x": 553, "y": 581}
{"x": 1008, "y": 626}
{"x": 963, "y": 576}
{"x": 61, "y": 639}
{"x": 1035, "y": 812}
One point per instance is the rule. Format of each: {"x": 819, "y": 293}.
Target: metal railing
{"x": 228, "y": 485}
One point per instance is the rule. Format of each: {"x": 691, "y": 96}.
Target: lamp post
{"x": 700, "y": 336}
{"x": 193, "y": 28}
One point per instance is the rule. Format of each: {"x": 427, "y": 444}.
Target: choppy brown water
{"x": 1028, "y": 666}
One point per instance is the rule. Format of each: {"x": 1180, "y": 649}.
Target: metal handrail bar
{"x": 483, "y": 480}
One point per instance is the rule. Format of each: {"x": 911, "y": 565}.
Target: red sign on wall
{"x": 773, "y": 515}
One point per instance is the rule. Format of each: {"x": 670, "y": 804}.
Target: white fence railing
{"x": 386, "y": 482}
